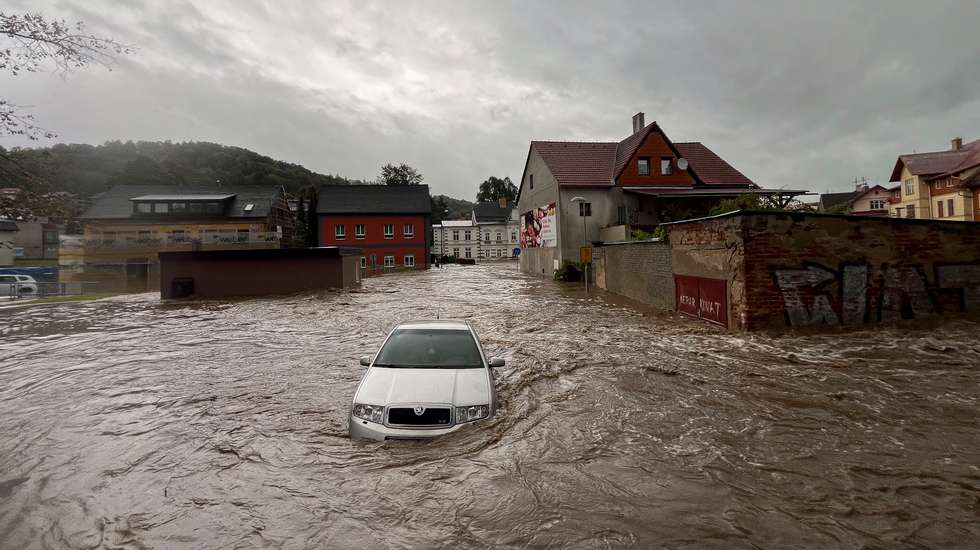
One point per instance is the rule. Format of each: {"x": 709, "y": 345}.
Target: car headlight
{"x": 371, "y": 413}
{"x": 471, "y": 413}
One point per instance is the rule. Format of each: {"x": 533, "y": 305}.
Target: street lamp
{"x": 585, "y": 234}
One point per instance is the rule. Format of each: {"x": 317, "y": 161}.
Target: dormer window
{"x": 643, "y": 166}
{"x": 249, "y": 207}
{"x": 666, "y": 166}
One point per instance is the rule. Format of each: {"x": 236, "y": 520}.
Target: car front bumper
{"x": 362, "y": 429}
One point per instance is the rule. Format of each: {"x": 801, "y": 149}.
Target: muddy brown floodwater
{"x": 131, "y": 423}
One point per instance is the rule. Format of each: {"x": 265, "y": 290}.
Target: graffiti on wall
{"x": 850, "y": 295}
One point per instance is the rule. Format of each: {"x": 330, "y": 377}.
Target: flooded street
{"x": 131, "y": 423}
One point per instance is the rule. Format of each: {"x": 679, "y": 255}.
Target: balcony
{"x": 123, "y": 242}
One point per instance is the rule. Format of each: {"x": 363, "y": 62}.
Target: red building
{"x": 390, "y": 224}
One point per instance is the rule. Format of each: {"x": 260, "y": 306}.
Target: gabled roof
{"x": 491, "y": 212}
{"x": 941, "y": 163}
{"x": 860, "y": 194}
{"x": 117, "y": 202}
{"x": 374, "y": 199}
{"x": 830, "y": 200}
{"x": 601, "y": 163}
{"x": 578, "y": 163}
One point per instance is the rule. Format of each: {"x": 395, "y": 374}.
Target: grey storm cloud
{"x": 804, "y": 94}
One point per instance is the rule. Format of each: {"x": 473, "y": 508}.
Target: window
{"x": 949, "y": 182}
{"x": 499, "y": 237}
{"x": 390, "y": 234}
{"x": 621, "y": 215}
{"x": 910, "y": 188}
{"x": 409, "y": 231}
{"x": 466, "y": 235}
{"x": 910, "y": 211}
{"x": 249, "y": 207}
{"x": 486, "y": 237}
{"x": 513, "y": 236}
{"x": 143, "y": 207}
{"x": 585, "y": 209}
{"x": 455, "y": 234}
{"x": 363, "y": 262}
{"x": 531, "y": 180}
{"x": 212, "y": 207}
{"x": 195, "y": 207}
{"x": 340, "y": 231}
{"x": 409, "y": 260}
{"x": 666, "y": 166}
{"x": 939, "y": 184}
{"x": 178, "y": 207}
{"x": 359, "y": 231}
{"x": 643, "y": 166}
{"x": 949, "y": 204}
{"x": 417, "y": 348}
{"x": 468, "y": 252}
{"x": 161, "y": 208}
{"x": 877, "y": 204}
{"x": 939, "y": 208}
{"x": 456, "y": 252}
{"x": 389, "y": 261}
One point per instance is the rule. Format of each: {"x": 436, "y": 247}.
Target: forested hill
{"x": 88, "y": 169}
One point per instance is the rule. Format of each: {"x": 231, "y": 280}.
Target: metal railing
{"x": 31, "y": 290}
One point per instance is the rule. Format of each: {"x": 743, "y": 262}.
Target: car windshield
{"x": 430, "y": 348}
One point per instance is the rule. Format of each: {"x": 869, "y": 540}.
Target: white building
{"x": 491, "y": 233}
{"x": 498, "y": 229}
{"x": 455, "y": 238}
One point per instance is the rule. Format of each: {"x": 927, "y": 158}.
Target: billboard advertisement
{"x": 539, "y": 228}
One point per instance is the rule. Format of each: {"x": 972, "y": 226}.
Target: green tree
{"x": 312, "y": 220}
{"x": 440, "y": 208}
{"x": 299, "y": 228}
{"x": 494, "y": 189}
{"x": 402, "y": 174}
{"x": 752, "y": 201}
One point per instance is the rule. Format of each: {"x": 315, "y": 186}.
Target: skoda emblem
{"x": 419, "y": 411}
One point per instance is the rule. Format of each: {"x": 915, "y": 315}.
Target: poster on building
{"x": 538, "y": 228}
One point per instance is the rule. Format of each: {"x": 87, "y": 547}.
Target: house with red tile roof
{"x": 573, "y": 192}
{"x": 939, "y": 185}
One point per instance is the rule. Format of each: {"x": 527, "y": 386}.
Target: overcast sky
{"x": 805, "y": 96}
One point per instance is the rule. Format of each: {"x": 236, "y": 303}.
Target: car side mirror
{"x": 497, "y": 361}
{"x": 366, "y": 360}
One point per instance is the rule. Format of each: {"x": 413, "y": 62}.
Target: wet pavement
{"x": 130, "y": 423}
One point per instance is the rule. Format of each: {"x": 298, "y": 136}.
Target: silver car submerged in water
{"x": 428, "y": 379}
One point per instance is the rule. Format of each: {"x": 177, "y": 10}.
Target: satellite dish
{"x": 682, "y": 163}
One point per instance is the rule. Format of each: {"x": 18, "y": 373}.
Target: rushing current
{"x": 133, "y": 423}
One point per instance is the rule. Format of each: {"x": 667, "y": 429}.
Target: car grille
{"x": 432, "y": 416}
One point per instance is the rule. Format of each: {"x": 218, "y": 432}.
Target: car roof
{"x": 434, "y": 325}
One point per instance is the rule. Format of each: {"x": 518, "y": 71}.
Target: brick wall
{"x": 637, "y": 270}
{"x": 824, "y": 270}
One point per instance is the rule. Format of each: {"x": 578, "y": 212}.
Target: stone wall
{"x": 639, "y": 270}
{"x": 800, "y": 270}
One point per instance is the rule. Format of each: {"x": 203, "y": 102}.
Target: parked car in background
{"x": 17, "y": 285}
{"x": 429, "y": 378}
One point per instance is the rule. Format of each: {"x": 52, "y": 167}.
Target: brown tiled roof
{"x": 578, "y": 163}
{"x": 710, "y": 168}
{"x": 599, "y": 163}
{"x": 942, "y": 163}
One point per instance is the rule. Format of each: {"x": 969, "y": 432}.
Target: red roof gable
{"x": 601, "y": 163}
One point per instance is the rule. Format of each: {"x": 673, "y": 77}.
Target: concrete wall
{"x": 796, "y": 270}
{"x": 639, "y": 270}
{"x": 226, "y": 273}
{"x": 574, "y": 234}
{"x": 539, "y": 261}
{"x": 713, "y": 248}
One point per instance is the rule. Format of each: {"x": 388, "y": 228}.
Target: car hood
{"x": 383, "y": 386}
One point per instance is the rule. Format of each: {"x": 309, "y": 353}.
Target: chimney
{"x": 638, "y": 122}
{"x": 957, "y": 143}
{"x": 502, "y": 201}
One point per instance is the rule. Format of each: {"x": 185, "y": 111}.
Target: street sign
{"x": 585, "y": 254}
